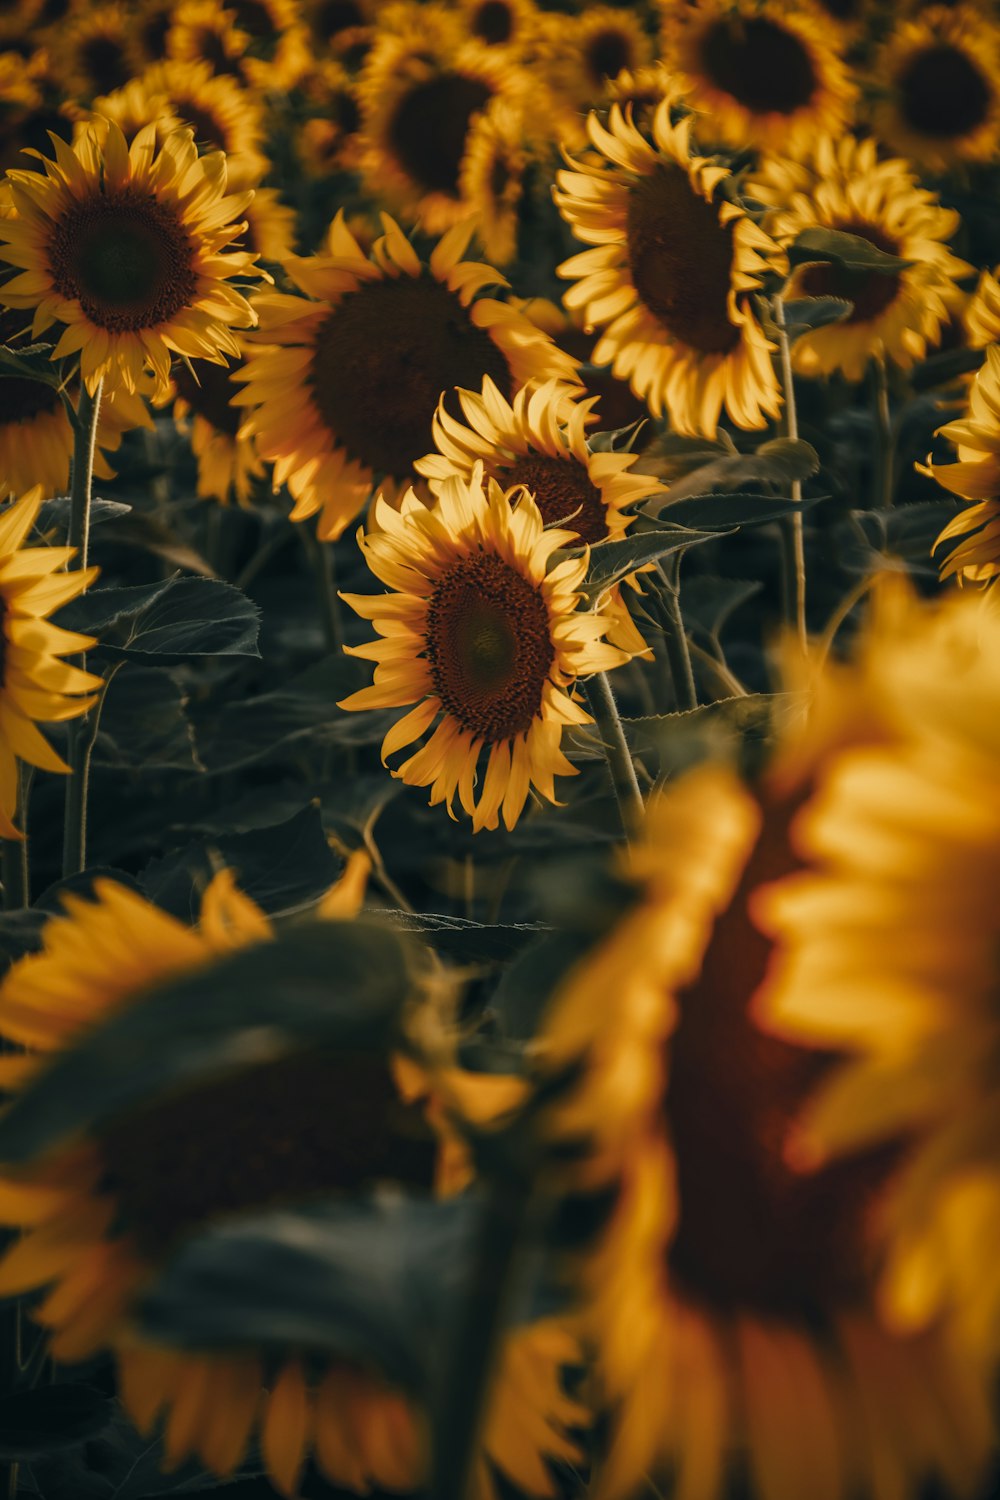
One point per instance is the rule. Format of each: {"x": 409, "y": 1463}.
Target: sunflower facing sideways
{"x": 228, "y": 464}
{"x": 343, "y": 382}
{"x": 102, "y": 1211}
{"x": 127, "y": 247}
{"x": 667, "y": 274}
{"x": 35, "y": 685}
{"x": 976, "y": 477}
{"x": 842, "y": 185}
{"x": 484, "y": 638}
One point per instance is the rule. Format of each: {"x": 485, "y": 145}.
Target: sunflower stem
{"x": 675, "y": 636}
{"x": 616, "y": 751}
{"x": 883, "y": 478}
{"x": 797, "y": 560}
{"x": 82, "y": 733}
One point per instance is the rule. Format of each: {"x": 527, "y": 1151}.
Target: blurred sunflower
{"x": 730, "y": 1297}
{"x": 592, "y": 50}
{"x": 151, "y": 25}
{"x": 668, "y": 274}
{"x": 329, "y": 141}
{"x": 126, "y": 246}
{"x": 765, "y": 75}
{"x": 345, "y": 387}
{"x": 976, "y": 476}
{"x": 223, "y": 116}
{"x": 939, "y": 79}
{"x": 981, "y": 315}
{"x": 204, "y": 31}
{"x": 94, "y": 51}
{"x": 642, "y": 91}
{"x": 35, "y": 686}
{"x": 499, "y": 23}
{"x": 890, "y": 945}
{"x": 419, "y": 97}
{"x": 20, "y": 78}
{"x": 103, "y": 1211}
{"x": 842, "y": 185}
{"x": 270, "y": 231}
{"x": 485, "y": 638}
{"x": 491, "y": 179}
{"x": 228, "y": 464}
{"x": 338, "y": 25}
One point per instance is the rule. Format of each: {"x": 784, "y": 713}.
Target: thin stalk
{"x": 675, "y": 636}
{"x": 883, "y": 477}
{"x": 616, "y": 751}
{"x": 14, "y": 854}
{"x": 320, "y": 555}
{"x": 797, "y": 560}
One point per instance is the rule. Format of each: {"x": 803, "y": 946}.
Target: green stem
{"x": 616, "y": 751}
{"x": 882, "y": 469}
{"x": 796, "y": 561}
{"x": 88, "y": 412}
{"x": 320, "y": 556}
{"x": 14, "y": 854}
{"x": 675, "y": 636}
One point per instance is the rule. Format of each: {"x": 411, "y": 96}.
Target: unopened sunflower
{"x": 126, "y": 246}
{"x": 938, "y": 80}
{"x": 35, "y": 685}
{"x": 343, "y": 381}
{"x": 668, "y": 274}
{"x": 485, "y": 638}
{"x": 976, "y": 477}
{"x": 842, "y": 185}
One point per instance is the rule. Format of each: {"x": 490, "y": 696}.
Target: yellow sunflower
{"x": 592, "y": 50}
{"x": 730, "y": 1297}
{"x": 228, "y": 464}
{"x": 345, "y": 385}
{"x": 976, "y": 476}
{"x": 19, "y": 82}
{"x": 420, "y": 97}
{"x": 765, "y": 75}
{"x": 939, "y": 80}
{"x": 103, "y": 1211}
{"x": 35, "y": 686}
{"x": 509, "y": 24}
{"x": 890, "y": 944}
{"x": 328, "y": 141}
{"x": 981, "y": 314}
{"x": 126, "y": 247}
{"x": 491, "y": 178}
{"x": 151, "y": 25}
{"x": 842, "y": 185}
{"x": 94, "y": 52}
{"x": 484, "y": 638}
{"x": 204, "y": 31}
{"x": 223, "y": 116}
{"x": 668, "y": 273}
{"x": 339, "y": 25}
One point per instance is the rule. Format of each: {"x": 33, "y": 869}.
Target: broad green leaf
{"x": 872, "y": 539}
{"x": 30, "y": 362}
{"x": 36, "y": 1422}
{"x": 144, "y": 724}
{"x": 941, "y": 369}
{"x": 179, "y": 618}
{"x": 851, "y": 251}
{"x": 728, "y": 511}
{"x": 56, "y": 512}
{"x": 611, "y": 561}
{"x": 806, "y": 314}
{"x": 777, "y": 462}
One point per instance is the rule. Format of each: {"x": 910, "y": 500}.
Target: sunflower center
{"x": 752, "y": 1233}
{"x": 942, "y": 92}
{"x": 489, "y": 647}
{"x": 681, "y": 260}
{"x": 607, "y": 53}
{"x": 126, "y": 257}
{"x": 870, "y": 291}
{"x": 153, "y": 32}
{"x": 429, "y": 129}
{"x": 209, "y": 395}
{"x": 343, "y": 111}
{"x": 493, "y": 23}
{"x": 103, "y": 60}
{"x": 764, "y": 67}
{"x": 283, "y": 1131}
{"x": 500, "y": 176}
{"x": 208, "y": 131}
{"x": 209, "y": 45}
{"x": 564, "y": 493}
{"x": 336, "y": 16}
{"x": 254, "y": 17}
{"x": 382, "y": 360}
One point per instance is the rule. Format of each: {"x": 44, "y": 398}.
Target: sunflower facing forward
{"x": 127, "y": 247}
{"x": 346, "y": 384}
{"x": 976, "y": 477}
{"x": 485, "y": 638}
{"x": 668, "y": 273}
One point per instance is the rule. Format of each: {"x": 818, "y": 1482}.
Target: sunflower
{"x": 227, "y": 463}
{"x": 939, "y": 77}
{"x": 150, "y": 28}
{"x": 976, "y": 476}
{"x": 223, "y": 116}
{"x": 124, "y": 246}
{"x": 668, "y": 273}
{"x": 329, "y": 141}
{"x": 420, "y": 96}
{"x": 842, "y": 185}
{"x": 730, "y": 1297}
{"x": 484, "y": 638}
{"x": 35, "y": 686}
{"x": 491, "y": 179}
{"x": 592, "y": 50}
{"x": 345, "y": 386}
{"x": 109, "y": 1207}
{"x": 981, "y": 314}
{"x": 499, "y": 23}
{"x": 897, "y": 912}
{"x": 94, "y": 52}
{"x": 339, "y": 25}
{"x": 765, "y": 75}
{"x": 19, "y": 83}
{"x": 203, "y": 31}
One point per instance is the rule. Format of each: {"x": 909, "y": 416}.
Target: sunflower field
{"x": 500, "y": 749}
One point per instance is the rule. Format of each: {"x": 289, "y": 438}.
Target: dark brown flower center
{"x": 870, "y": 291}
{"x": 208, "y": 128}
{"x": 493, "y": 22}
{"x": 764, "y": 67}
{"x": 429, "y": 129}
{"x": 752, "y": 1233}
{"x": 336, "y": 16}
{"x": 500, "y": 175}
{"x": 343, "y": 111}
{"x": 842, "y": 10}
{"x": 153, "y": 32}
{"x": 210, "y": 46}
{"x": 681, "y": 260}
{"x": 284, "y": 1131}
{"x": 254, "y": 17}
{"x": 105, "y": 62}
{"x": 209, "y": 395}
{"x": 125, "y": 257}
{"x": 489, "y": 647}
{"x": 383, "y": 358}
{"x": 564, "y": 493}
{"x": 942, "y": 93}
{"x": 607, "y": 52}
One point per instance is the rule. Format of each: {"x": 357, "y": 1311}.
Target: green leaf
{"x": 941, "y": 369}
{"x": 872, "y": 538}
{"x": 777, "y": 462}
{"x": 144, "y": 724}
{"x": 729, "y": 511}
{"x": 56, "y": 512}
{"x": 731, "y": 727}
{"x": 34, "y": 1423}
{"x": 806, "y": 314}
{"x": 324, "y": 984}
{"x": 526, "y": 985}
{"x": 611, "y": 561}
{"x": 173, "y": 620}
{"x": 708, "y": 602}
{"x": 850, "y": 251}
{"x": 30, "y": 362}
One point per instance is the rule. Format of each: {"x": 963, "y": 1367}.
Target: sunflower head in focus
{"x": 842, "y": 185}
{"x": 976, "y": 476}
{"x": 329, "y": 404}
{"x": 126, "y": 248}
{"x": 668, "y": 273}
{"x": 484, "y": 638}
{"x": 938, "y": 83}
{"x": 764, "y": 75}
{"x": 35, "y": 685}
